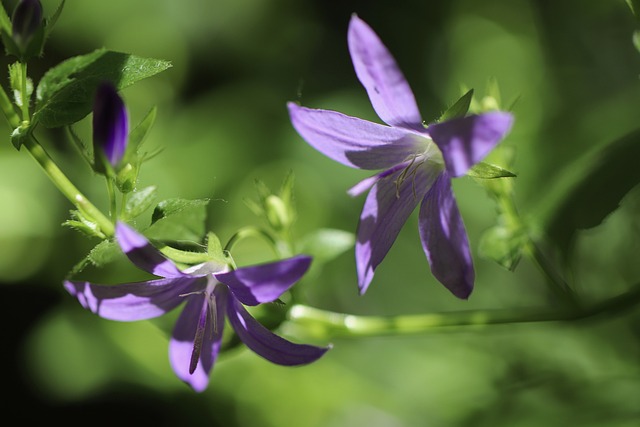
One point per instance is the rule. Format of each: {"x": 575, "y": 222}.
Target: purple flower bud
{"x": 110, "y": 126}
{"x": 27, "y": 18}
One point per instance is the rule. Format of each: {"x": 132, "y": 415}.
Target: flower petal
{"x": 444, "y": 239}
{"x": 133, "y": 301}
{"x": 267, "y": 344}
{"x": 264, "y": 283}
{"x": 367, "y": 183}
{"x": 352, "y": 141}
{"x": 138, "y": 249}
{"x": 378, "y": 72}
{"x": 386, "y": 209}
{"x": 110, "y": 123}
{"x": 184, "y": 340}
{"x": 467, "y": 140}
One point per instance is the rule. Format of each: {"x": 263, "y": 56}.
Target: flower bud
{"x": 110, "y": 127}
{"x": 26, "y": 20}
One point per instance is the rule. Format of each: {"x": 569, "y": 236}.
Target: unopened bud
{"x": 110, "y": 127}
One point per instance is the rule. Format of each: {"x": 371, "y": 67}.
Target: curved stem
{"x": 245, "y": 232}
{"x": 66, "y": 187}
{"x": 324, "y": 324}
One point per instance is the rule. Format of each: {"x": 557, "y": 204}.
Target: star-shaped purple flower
{"x": 210, "y": 291}
{"x": 418, "y": 163}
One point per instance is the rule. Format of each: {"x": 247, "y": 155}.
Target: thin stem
{"x": 7, "y": 109}
{"x": 325, "y": 324}
{"x": 67, "y": 188}
{"x": 245, "y": 232}
{"x": 112, "y": 199}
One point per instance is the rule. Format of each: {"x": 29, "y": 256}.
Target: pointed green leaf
{"x": 484, "y": 170}
{"x": 459, "y": 108}
{"x": 5, "y": 21}
{"x": 51, "y": 21}
{"x": 65, "y": 93}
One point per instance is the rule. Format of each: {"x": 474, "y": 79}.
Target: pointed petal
{"x": 354, "y": 142}
{"x": 444, "y": 239}
{"x": 133, "y": 301}
{"x": 266, "y": 282}
{"x": 386, "y": 209}
{"x": 267, "y": 344}
{"x": 367, "y": 183}
{"x": 378, "y": 72}
{"x": 138, "y": 249}
{"x": 189, "y": 341}
{"x": 467, "y": 140}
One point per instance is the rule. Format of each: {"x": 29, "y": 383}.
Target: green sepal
{"x": 636, "y": 40}
{"x": 459, "y": 108}
{"x": 65, "y": 93}
{"x": 138, "y": 202}
{"x": 215, "y": 251}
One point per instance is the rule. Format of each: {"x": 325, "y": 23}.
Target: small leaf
{"x": 84, "y": 225}
{"x": 138, "y": 202}
{"x": 484, "y": 170}
{"x": 178, "y": 219}
{"x": 51, "y": 21}
{"x": 5, "y": 21}
{"x": 459, "y": 108}
{"x": 65, "y": 93}
{"x": 503, "y": 245}
{"x": 20, "y": 134}
{"x": 327, "y": 244}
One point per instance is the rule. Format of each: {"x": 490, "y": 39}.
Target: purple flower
{"x": 210, "y": 292}
{"x": 110, "y": 126}
{"x": 418, "y": 164}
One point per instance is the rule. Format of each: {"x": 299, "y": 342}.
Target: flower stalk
{"x": 66, "y": 187}
{"x": 324, "y": 324}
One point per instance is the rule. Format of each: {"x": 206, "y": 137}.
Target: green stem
{"x": 324, "y": 324}
{"x": 67, "y": 188}
{"x": 113, "y": 214}
{"x": 7, "y": 109}
{"x": 245, "y": 232}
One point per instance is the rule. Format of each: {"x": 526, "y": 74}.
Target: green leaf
{"x": 634, "y": 5}
{"x": 590, "y": 189}
{"x": 636, "y": 40}
{"x": 484, "y": 170}
{"x": 459, "y": 108}
{"x": 103, "y": 253}
{"x": 138, "y": 134}
{"x": 5, "y": 22}
{"x": 326, "y": 244}
{"x": 20, "y": 134}
{"x": 51, "y": 21}
{"x": 503, "y": 245}
{"x": 138, "y": 202}
{"x": 178, "y": 219}
{"x": 65, "y": 93}
{"x": 84, "y": 225}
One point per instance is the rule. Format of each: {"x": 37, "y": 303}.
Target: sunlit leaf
{"x": 459, "y": 108}
{"x": 178, "y": 219}
{"x": 484, "y": 170}
{"x": 65, "y": 93}
{"x": 139, "y": 201}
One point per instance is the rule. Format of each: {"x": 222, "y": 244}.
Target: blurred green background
{"x": 222, "y": 123}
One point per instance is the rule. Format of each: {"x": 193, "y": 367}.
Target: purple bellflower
{"x": 110, "y": 126}
{"x": 210, "y": 291}
{"x": 418, "y": 164}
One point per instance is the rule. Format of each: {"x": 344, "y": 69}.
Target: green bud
{"x": 126, "y": 178}
{"x": 277, "y": 212}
